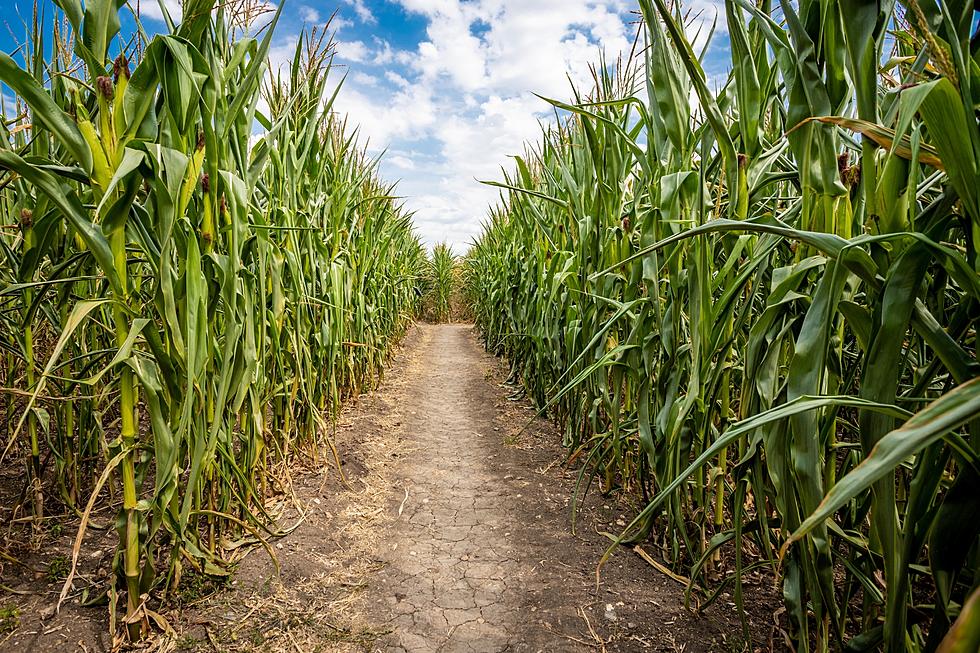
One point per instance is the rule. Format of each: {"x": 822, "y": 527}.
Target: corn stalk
{"x": 755, "y": 307}
{"x": 193, "y": 286}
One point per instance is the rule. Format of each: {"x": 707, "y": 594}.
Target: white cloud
{"x": 405, "y": 114}
{"x": 702, "y": 15}
{"x": 338, "y": 23}
{"x": 397, "y": 79}
{"x": 352, "y": 51}
{"x": 250, "y": 15}
{"x": 363, "y": 79}
{"x": 454, "y": 107}
{"x": 151, "y": 9}
{"x": 282, "y": 52}
{"x": 311, "y": 15}
{"x": 362, "y": 11}
{"x": 466, "y": 92}
{"x": 384, "y": 54}
{"x": 400, "y": 161}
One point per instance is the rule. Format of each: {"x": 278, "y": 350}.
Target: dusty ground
{"x": 450, "y": 533}
{"x": 480, "y": 556}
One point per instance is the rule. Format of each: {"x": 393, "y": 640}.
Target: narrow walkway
{"x": 451, "y": 535}
{"x": 455, "y": 580}
{"x": 478, "y": 556}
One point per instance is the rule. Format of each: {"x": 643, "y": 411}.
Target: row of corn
{"x": 183, "y": 303}
{"x": 441, "y": 293}
{"x": 752, "y": 304}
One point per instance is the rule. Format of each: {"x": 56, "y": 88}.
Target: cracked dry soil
{"x": 451, "y": 533}
{"x": 457, "y": 574}
{"x": 479, "y": 556}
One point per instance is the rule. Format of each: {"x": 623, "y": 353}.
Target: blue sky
{"x": 446, "y": 86}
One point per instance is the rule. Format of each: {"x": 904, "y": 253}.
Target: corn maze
{"x": 749, "y": 302}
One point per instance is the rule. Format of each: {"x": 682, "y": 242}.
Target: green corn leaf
{"x": 70, "y": 206}
{"x": 964, "y": 636}
{"x": 939, "y": 418}
{"x": 45, "y": 112}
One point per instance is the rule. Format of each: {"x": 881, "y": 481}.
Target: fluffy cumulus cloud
{"x": 361, "y": 10}
{"x": 355, "y": 51}
{"x": 447, "y": 87}
{"x": 309, "y": 14}
{"x": 151, "y": 8}
{"x": 250, "y": 15}
{"x": 459, "y": 100}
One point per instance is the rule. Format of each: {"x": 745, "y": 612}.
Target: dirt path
{"x": 450, "y": 532}
{"x": 479, "y": 556}
{"x": 457, "y": 574}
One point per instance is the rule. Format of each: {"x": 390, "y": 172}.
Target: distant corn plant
{"x": 442, "y": 284}
{"x": 756, "y": 308}
{"x": 183, "y": 305}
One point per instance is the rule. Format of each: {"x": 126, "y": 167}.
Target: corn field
{"x": 752, "y": 304}
{"x": 184, "y": 304}
{"x": 442, "y": 284}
